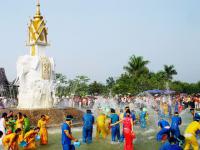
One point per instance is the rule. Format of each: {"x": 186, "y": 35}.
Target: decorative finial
{"x": 38, "y": 8}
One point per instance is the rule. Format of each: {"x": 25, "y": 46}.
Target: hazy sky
{"x": 97, "y": 37}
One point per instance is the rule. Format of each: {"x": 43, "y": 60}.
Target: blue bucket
{"x": 23, "y": 144}
{"x": 77, "y": 144}
{"x": 37, "y": 138}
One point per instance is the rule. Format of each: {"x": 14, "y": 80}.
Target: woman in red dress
{"x": 129, "y": 135}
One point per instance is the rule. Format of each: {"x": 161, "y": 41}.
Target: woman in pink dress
{"x": 129, "y": 135}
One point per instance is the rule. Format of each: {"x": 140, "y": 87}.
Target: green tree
{"x": 137, "y": 66}
{"x": 170, "y": 71}
{"x": 96, "y": 88}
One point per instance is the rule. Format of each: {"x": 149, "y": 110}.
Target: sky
{"x": 96, "y": 37}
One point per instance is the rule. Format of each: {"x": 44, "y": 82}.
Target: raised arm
{"x": 116, "y": 123}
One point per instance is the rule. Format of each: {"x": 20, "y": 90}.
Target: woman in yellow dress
{"x": 29, "y": 138}
{"x": 101, "y": 126}
{"x": 42, "y": 124}
{"x": 10, "y": 141}
{"x": 19, "y": 124}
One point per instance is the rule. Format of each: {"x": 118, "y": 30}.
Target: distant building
{"x": 4, "y": 84}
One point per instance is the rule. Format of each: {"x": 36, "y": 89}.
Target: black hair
{"x": 42, "y": 116}
{"x": 88, "y": 111}
{"x": 128, "y": 111}
{"x": 127, "y": 107}
{"x": 18, "y": 130}
{"x": 4, "y": 115}
{"x": 176, "y": 113}
{"x": 25, "y": 116}
{"x": 37, "y": 128}
{"x": 1, "y": 134}
{"x": 112, "y": 110}
{"x": 69, "y": 117}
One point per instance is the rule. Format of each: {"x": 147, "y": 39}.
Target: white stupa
{"x": 36, "y": 71}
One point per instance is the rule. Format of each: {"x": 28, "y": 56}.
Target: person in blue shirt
{"x": 115, "y": 130}
{"x": 165, "y": 129}
{"x": 67, "y": 134}
{"x": 88, "y": 121}
{"x": 171, "y": 145}
{"x": 143, "y": 123}
{"x": 176, "y": 121}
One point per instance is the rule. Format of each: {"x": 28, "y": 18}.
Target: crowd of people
{"x": 169, "y": 133}
{"x": 16, "y": 130}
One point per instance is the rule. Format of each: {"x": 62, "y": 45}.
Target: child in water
{"x": 129, "y": 135}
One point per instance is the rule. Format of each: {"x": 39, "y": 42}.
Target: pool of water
{"x": 144, "y": 141}
{"x": 145, "y": 138}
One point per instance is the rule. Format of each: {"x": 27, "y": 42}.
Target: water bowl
{"x": 23, "y": 144}
{"x": 77, "y": 144}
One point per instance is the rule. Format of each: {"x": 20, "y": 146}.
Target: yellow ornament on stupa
{"x": 37, "y": 31}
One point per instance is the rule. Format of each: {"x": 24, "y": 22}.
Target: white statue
{"x": 35, "y": 72}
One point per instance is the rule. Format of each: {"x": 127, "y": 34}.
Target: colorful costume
{"x": 88, "y": 121}
{"x": 133, "y": 119}
{"x": 176, "y": 121}
{"x": 26, "y": 125}
{"x": 42, "y": 124}
{"x": 66, "y": 141}
{"x": 101, "y": 126}
{"x": 30, "y": 139}
{"x": 10, "y": 140}
{"x": 143, "y": 123}
{"x": 190, "y": 135}
{"x": 165, "y": 129}
{"x": 19, "y": 124}
{"x": 115, "y": 130}
{"x": 128, "y": 133}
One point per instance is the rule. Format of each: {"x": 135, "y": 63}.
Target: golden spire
{"x": 37, "y": 30}
{"x": 38, "y": 14}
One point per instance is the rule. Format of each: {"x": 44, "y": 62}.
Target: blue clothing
{"x": 143, "y": 123}
{"x": 176, "y": 121}
{"x": 115, "y": 130}
{"x": 168, "y": 146}
{"x": 68, "y": 147}
{"x": 163, "y": 123}
{"x": 165, "y": 129}
{"x": 65, "y": 140}
{"x": 88, "y": 121}
{"x": 165, "y": 146}
{"x": 114, "y": 118}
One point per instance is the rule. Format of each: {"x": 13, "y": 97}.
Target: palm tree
{"x": 137, "y": 66}
{"x": 170, "y": 71}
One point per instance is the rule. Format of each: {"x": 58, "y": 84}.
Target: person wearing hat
{"x": 190, "y": 133}
{"x": 67, "y": 134}
{"x": 88, "y": 121}
{"x": 176, "y": 121}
